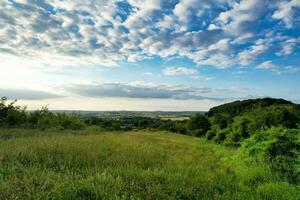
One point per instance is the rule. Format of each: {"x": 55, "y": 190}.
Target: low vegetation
{"x": 130, "y": 165}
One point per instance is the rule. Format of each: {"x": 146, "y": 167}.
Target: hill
{"x": 245, "y": 118}
{"x": 131, "y": 165}
{"x": 237, "y": 107}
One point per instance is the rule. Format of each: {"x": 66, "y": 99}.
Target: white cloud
{"x": 285, "y": 11}
{"x": 212, "y": 27}
{"x": 242, "y": 17}
{"x": 167, "y": 22}
{"x": 217, "y": 54}
{"x": 143, "y": 15}
{"x": 288, "y": 46}
{"x": 267, "y": 65}
{"x": 247, "y": 56}
{"x": 149, "y": 73}
{"x": 175, "y": 71}
{"x": 182, "y": 10}
{"x": 218, "y": 60}
{"x": 292, "y": 69}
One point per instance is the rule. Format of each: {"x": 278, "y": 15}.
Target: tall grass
{"x": 133, "y": 165}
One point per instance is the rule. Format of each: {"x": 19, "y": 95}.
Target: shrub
{"x": 43, "y": 119}
{"x": 70, "y": 122}
{"x": 233, "y": 138}
{"x": 222, "y": 120}
{"x": 241, "y": 128}
{"x": 221, "y": 136}
{"x": 10, "y": 114}
{"x": 279, "y": 148}
{"x": 199, "y": 125}
{"x": 181, "y": 128}
{"x": 210, "y": 134}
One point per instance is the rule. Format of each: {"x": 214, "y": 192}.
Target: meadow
{"x": 86, "y": 164}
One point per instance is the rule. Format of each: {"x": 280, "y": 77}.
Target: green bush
{"x": 241, "y": 126}
{"x": 10, "y": 114}
{"x": 199, "y": 125}
{"x": 233, "y": 138}
{"x": 221, "y": 136}
{"x": 222, "y": 120}
{"x": 279, "y": 148}
{"x": 210, "y": 134}
{"x": 70, "y": 122}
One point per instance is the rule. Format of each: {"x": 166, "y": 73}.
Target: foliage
{"x": 238, "y": 107}
{"x": 280, "y": 148}
{"x": 11, "y": 115}
{"x": 198, "y": 125}
{"x": 266, "y": 128}
{"x": 221, "y": 136}
{"x": 222, "y": 120}
{"x": 15, "y": 116}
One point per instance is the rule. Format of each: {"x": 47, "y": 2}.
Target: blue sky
{"x": 148, "y": 54}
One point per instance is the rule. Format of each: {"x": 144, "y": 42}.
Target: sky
{"x": 171, "y": 55}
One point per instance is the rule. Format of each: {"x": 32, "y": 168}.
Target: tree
{"x": 10, "y": 114}
{"x": 199, "y": 125}
{"x": 222, "y": 120}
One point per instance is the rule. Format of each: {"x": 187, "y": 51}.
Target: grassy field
{"x": 132, "y": 165}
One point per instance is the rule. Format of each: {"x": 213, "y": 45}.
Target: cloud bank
{"x": 140, "y": 90}
{"x": 27, "y": 94}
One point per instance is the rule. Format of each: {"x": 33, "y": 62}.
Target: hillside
{"x": 241, "y": 119}
{"x": 132, "y": 165}
{"x": 238, "y": 107}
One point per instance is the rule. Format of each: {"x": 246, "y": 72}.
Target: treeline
{"x": 12, "y": 116}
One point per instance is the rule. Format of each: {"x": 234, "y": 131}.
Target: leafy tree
{"x": 210, "y": 134}
{"x": 288, "y": 119}
{"x": 241, "y": 126}
{"x": 10, "y": 114}
{"x": 222, "y": 120}
{"x": 199, "y": 125}
{"x": 221, "y": 136}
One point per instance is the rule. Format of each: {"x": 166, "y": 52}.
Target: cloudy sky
{"x": 148, "y": 54}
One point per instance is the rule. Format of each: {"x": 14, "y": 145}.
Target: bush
{"x": 279, "y": 148}
{"x": 233, "y": 138}
{"x": 222, "y": 120}
{"x": 11, "y": 115}
{"x": 181, "y": 128}
{"x": 198, "y": 125}
{"x": 210, "y": 134}
{"x": 221, "y": 136}
{"x": 70, "y": 122}
{"x": 43, "y": 119}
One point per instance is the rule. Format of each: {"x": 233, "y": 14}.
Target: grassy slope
{"x": 135, "y": 165}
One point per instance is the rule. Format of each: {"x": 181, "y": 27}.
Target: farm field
{"x": 129, "y": 165}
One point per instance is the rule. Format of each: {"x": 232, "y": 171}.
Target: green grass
{"x": 132, "y": 165}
